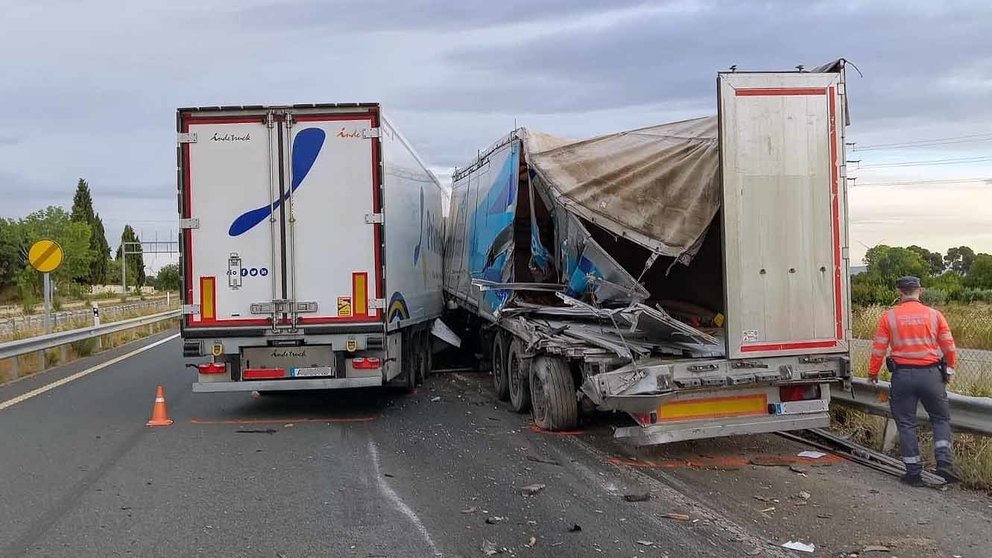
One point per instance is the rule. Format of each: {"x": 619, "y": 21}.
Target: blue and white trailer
{"x": 692, "y": 274}
{"x": 311, "y": 248}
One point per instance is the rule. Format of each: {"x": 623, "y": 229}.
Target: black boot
{"x": 912, "y": 479}
{"x": 946, "y": 471}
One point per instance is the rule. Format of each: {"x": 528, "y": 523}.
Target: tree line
{"x": 88, "y": 260}
{"x": 960, "y": 275}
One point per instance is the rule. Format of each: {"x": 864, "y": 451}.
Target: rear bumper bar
{"x": 287, "y": 385}
{"x": 694, "y": 430}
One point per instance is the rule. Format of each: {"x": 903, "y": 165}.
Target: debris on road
{"x": 537, "y": 459}
{"x": 257, "y": 431}
{"x": 679, "y": 516}
{"x": 876, "y": 548}
{"x": 473, "y": 509}
{"x": 767, "y": 510}
{"x": 637, "y": 496}
{"x": 575, "y": 528}
{"x": 435, "y": 399}
{"x": 489, "y": 548}
{"x": 645, "y": 543}
{"x": 804, "y": 495}
{"x": 290, "y": 425}
{"x": 810, "y": 454}
{"x": 824, "y": 515}
{"x": 798, "y": 469}
{"x": 800, "y": 546}
{"x": 532, "y": 543}
{"x": 494, "y": 519}
{"x": 532, "y": 489}
{"x": 766, "y": 499}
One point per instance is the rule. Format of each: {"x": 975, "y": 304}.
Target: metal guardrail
{"x": 13, "y": 349}
{"x": 971, "y": 414}
{"x": 35, "y": 322}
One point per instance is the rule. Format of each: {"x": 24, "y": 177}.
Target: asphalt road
{"x": 441, "y": 472}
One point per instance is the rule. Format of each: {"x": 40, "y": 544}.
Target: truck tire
{"x": 428, "y": 361}
{"x": 412, "y": 364}
{"x": 518, "y": 374}
{"x": 552, "y": 392}
{"x": 501, "y": 384}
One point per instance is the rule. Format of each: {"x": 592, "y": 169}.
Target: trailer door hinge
{"x": 373, "y": 218}
{"x": 191, "y": 223}
{"x": 369, "y": 133}
{"x": 186, "y": 137}
{"x": 191, "y": 309}
{"x": 377, "y": 303}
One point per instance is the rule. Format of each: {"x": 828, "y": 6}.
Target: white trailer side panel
{"x": 785, "y": 227}
{"x": 413, "y": 224}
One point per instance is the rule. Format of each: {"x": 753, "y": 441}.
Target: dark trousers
{"x": 922, "y": 385}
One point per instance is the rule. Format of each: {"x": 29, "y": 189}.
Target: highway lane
{"x": 366, "y": 473}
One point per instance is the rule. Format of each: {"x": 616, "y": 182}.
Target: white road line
{"x": 78, "y": 375}
{"x": 397, "y": 502}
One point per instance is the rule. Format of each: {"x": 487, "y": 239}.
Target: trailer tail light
{"x": 366, "y": 363}
{"x": 645, "y": 419}
{"x": 212, "y": 368}
{"x": 805, "y": 392}
{"x": 263, "y": 373}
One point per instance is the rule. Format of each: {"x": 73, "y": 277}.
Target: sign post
{"x": 46, "y": 256}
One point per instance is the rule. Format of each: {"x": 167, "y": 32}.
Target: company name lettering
{"x": 288, "y": 353}
{"x": 230, "y": 137}
{"x": 346, "y": 133}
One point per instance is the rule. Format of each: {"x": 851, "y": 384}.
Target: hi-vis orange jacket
{"x": 917, "y": 333}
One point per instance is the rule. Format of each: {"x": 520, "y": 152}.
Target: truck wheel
{"x": 552, "y": 393}
{"x": 500, "y": 380}
{"x": 518, "y": 373}
{"x": 424, "y": 370}
{"x": 412, "y": 364}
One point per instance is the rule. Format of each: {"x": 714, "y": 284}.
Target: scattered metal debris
{"x": 637, "y": 496}
{"x": 575, "y": 528}
{"x": 678, "y": 516}
{"x": 800, "y": 546}
{"x": 532, "y": 489}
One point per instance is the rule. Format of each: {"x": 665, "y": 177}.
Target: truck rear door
{"x": 334, "y": 225}
{"x": 233, "y": 225}
{"x": 282, "y": 216}
{"x": 785, "y": 226}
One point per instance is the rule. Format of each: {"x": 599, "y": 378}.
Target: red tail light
{"x": 805, "y": 392}
{"x": 366, "y": 363}
{"x": 646, "y": 418}
{"x": 212, "y": 368}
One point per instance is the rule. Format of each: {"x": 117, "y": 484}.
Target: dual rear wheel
{"x": 543, "y": 384}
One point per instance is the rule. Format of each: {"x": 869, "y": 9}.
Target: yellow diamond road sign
{"x": 45, "y": 255}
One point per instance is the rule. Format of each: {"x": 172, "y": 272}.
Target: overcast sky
{"x": 89, "y": 89}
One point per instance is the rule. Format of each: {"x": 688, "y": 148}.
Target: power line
{"x": 987, "y": 180}
{"x": 930, "y": 162}
{"x": 926, "y": 142}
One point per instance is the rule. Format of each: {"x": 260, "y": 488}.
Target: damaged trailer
{"x": 692, "y": 274}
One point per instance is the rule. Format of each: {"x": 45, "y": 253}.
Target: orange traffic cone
{"x": 160, "y": 415}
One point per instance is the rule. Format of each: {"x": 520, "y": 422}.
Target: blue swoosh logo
{"x": 306, "y": 147}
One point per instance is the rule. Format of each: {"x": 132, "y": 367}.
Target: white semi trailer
{"x": 311, "y": 248}
{"x": 693, "y": 274}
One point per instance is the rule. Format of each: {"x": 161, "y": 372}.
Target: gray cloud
{"x": 415, "y": 15}
{"x": 912, "y": 60}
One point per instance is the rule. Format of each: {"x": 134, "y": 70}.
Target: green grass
{"x": 972, "y": 452}
{"x": 971, "y": 324}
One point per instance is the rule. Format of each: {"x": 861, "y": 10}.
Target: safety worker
{"x": 919, "y": 337}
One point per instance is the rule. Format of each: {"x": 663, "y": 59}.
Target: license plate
{"x": 319, "y": 371}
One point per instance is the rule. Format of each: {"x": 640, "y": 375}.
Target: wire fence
{"x": 971, "y": 326}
